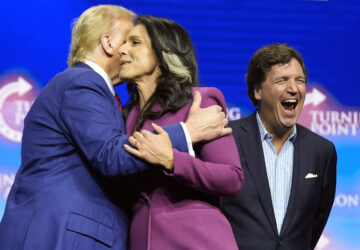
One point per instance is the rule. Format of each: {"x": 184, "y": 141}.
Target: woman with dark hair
{"x": 179, "y": 204}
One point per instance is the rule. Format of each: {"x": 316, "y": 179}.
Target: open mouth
{"x": 289, "y": 104}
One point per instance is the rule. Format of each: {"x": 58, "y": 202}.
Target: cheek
{"x": 149, "y": 60}
{"x": 153, "y": 62}
{"x": 141, "y": 56}
{"x": 302, "y": 90}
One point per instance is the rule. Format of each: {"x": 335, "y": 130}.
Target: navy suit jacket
{"x": 73, "y": 137}
{"x": 251, "y": 213}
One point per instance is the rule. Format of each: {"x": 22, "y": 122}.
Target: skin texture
{"x": 156, "y": 148}
{"x": 147, "y": 145}
{"x": 138, "y": 63}
{"x": 106, "y": 54}
{"x": 284, "y": 82}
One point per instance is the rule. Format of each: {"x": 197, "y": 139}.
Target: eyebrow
{"x": 300, "y": 77}
{"x": 135, "y": 37}
{"x": 287, "y": 77}
{"x": 281, "y": 77}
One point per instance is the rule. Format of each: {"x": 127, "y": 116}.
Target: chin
{"x": 290, "y": 124}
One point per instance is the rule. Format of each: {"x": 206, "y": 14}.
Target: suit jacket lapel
{"x": 131, "y": 120}
{"x": 255, "y": 163}
{"x": 298, "y": 177}
{"x": 104, "y": 86}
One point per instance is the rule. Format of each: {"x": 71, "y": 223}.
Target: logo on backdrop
{"x": 233, "y": 113}
{"x": 324, "y": 116}
{"x": 17, "y": 93}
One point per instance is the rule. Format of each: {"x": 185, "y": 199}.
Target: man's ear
{"x": 258, "y": 94}
{"x": 107, "y": 45}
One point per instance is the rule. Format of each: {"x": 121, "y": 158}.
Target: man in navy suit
{"x": 290, "y": 172}
{"x": 73, "y": 137}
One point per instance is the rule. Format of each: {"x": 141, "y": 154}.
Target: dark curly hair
{"x": 175, "y": 55}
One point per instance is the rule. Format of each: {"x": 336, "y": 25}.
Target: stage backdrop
{"x": 36, "y": 37}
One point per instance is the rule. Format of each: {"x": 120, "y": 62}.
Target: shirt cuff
{"x": 188, "y": 140}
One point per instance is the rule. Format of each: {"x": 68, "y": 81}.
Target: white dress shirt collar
{"x": 264, "y": 134}
{"x": 102, "y": 73}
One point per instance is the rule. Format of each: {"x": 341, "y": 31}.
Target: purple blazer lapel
{"x": 168, "y": 118}
{"x": 131, "y": 120}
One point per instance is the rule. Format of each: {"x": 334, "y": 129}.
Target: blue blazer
{"x": 251, "y": 213}
{"x": 73, "y": 137}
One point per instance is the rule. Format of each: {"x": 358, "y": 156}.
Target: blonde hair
{"x": 90, "y": 26}
{"x": 177, "y": 67}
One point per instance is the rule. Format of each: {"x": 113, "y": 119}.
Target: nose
{"x": 292, "y": 87}
{"x": 122, "y": 49}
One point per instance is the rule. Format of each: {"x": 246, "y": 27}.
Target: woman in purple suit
{"x": 179, "y": 204}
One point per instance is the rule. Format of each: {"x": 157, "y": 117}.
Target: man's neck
{"x": 98, "y": 69}
{"x": 280, "y": 134}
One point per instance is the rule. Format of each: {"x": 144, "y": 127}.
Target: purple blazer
{"x": 72, "y": 147}
{"x": 181, "y": 210}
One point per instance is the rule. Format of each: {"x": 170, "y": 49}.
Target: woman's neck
{"x": 146, "y": 86}
{"x": 145, "y": 89}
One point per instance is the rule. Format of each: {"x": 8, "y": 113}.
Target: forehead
{"x": 293, "y": 68}
{"x": 123, "y": 25}
{"x": 138, "y": 30}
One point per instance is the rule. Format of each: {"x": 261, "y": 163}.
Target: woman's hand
{"x": 153, "y": 148}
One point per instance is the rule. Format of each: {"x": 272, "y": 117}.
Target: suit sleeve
{"x": 177, "y": 137}
{"x": 327, "y": 197}
{"x": 90, "y": 122}
{"x": 88, "y": 114}
{"x": 217, "y": 169}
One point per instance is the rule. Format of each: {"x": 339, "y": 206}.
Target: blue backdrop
{"x": 35, "y": 42}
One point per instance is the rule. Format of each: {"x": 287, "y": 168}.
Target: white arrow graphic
{"x": 20, "y": 87}
{"x": 315, "y": 97}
